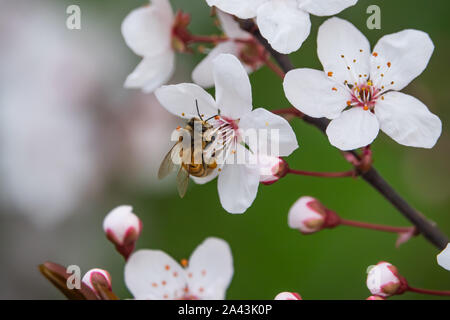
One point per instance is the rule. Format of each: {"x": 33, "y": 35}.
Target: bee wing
{"x": 182, "y": 181}
{"x": 167, "y": 164}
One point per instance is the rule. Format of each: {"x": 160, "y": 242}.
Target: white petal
{"x": 277, "y": 131}
{"x": 283, "y": 24}
{"x": 203, "y": 73}
{"x": 210, "y": 270}
{"x": 147, "y": 30}
{"x": 120, "y": 221}
{"x": 355, "y": 128}
{"x": 233, "y": 89}
{"x": 244, "y": 9}
{"x": 152, "y": 274}
{"x": 343, "y": 50}
{"x": 238, "y": 186}
{"x": 152, "y": 72}
{"x": 180, "y": 100}
{"x": 325, "y": 7}
{"x": 231, "y": 27}
{"x": 443, "y": 258}
{"x": 406, "y": 52}
{"x": 315, "y": 94}
{"x": 407, "y": 120}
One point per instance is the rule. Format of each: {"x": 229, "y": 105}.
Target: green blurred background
{"x": 269, "y": 257}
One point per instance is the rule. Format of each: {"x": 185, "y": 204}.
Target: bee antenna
{"x": 198, "y": 111}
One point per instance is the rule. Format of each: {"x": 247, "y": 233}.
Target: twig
{"x": 429, "y": 229}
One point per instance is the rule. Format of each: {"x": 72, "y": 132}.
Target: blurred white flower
{"x": 231, "y": 114}
{"x": 358, "y": 90}
{"x": 148, "y": 32}
{"x": 152, "y": 274}
{"x": 249, "y": 53}
{"x": 284, "y": 23}
{"x": 443, "y": 258}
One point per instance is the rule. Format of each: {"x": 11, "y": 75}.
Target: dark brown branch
{"x": 429, "y": 229}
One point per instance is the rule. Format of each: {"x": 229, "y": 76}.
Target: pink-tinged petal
{"x": 443, "y": 258}
{"x": 355, "y": 128}
{"x": 325, "y": 7}
{"x": 180, "y": 100}
{"x": 343, "y": 51}
{"x": 153, "y": 275}
{"x": 203, "y": 73}
{"x": 238, "y": 184}
{"x": 274, "y": 134}
{"x": 243, "y": 9}
{"x": 210, "y": 270}
{"x": 315, "y": 93}
{"x": 288, "y": 296}
{"x": 147, "y": 30}
{"x": 152, "y": 72}
{"x": 231, "y": 27}
{"x": 283, "y": 25}
{"x": 233, "y": 89}
{"x": 399, "y": 58}
{"x": 97, "y": 275}
{"x": 407, "y": 120}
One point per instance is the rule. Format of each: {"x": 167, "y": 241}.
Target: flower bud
{"x": 122, "y": 227}
{"x": 308, "y": 215}
{"x": 384, "y": 280}
{"x": 96, "y": 278}
{"x": 375, "y": 298}
{"x": 288, "y": 296}
{"x": 271, "y": 169}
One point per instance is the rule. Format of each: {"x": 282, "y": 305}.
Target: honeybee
{"x": 188, "y": 162}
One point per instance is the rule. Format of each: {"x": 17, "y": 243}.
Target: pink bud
{"x": 271, "y": 169}
{"x": 375, "y": 298}
{"x": 122, "y": 227}
{"x": 288, "y": 296}
{"x": 97, "y": 276}
{"x": 384, "y": 280}
{"x": 308, "y": 215}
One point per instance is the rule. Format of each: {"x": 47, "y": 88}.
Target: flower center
{"x": 225, "y": 135}
{"x": 364, "y": 95}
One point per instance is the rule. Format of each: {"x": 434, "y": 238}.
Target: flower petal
{"x": 355, "y": 128}
{"x": 443, "y": 258}
{"x": 242, "y": 9}
{"x": 407, "y": 120}
{"x": 152, "y": 274}
{"x": 277, "y": 131}
{"x": 231, "y": 27}
{"x": 325, "y": 7}
{"x": 152, "y": 72}
{"x": 180, "y": 100}
{"x": 147, "y": 30}
{"x": 400, "y": 57}
{"x": 233, "y": 89}
{"x": 343, "y": 51}
{"x": 315, "y": 94}
{"x": 238, "y": 185}
{"x": 203, "y": 73}
{"x": 210, "y": 270}
{"x": 283, "y": 25}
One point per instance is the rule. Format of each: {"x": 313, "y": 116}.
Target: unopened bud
{"x": 384, "y": 280}
{"x": 122, "y": 227}
{"x": 375, "y": 298}
{"x": 308, "y": 215}
{"x": 271, "y": 169}
{"x": 288, "y": 296}
{"x": 98, "y": 280}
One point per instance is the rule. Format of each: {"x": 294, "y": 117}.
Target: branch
{"x": 429, "y": 229}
